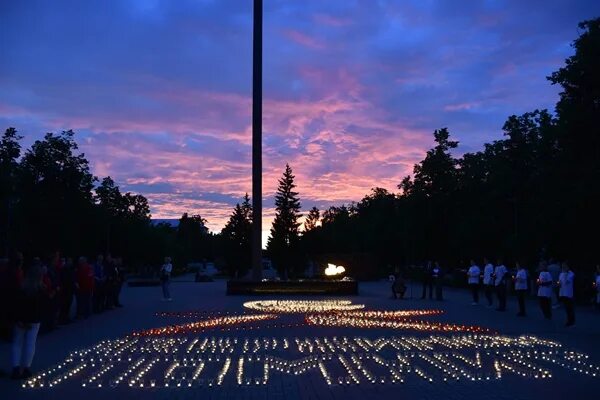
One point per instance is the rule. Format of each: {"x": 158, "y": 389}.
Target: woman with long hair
{"x": 29, "y": 307}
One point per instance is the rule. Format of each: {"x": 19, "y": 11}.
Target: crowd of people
{"x": 553, "y": 283}
{"x": 38, "y": 295}
{"x": 554, "y": 280}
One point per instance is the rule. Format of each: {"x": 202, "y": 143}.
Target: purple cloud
{"x": 160, "y": 91}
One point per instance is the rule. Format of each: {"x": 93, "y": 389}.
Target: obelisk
{"x": 257, "y": 141}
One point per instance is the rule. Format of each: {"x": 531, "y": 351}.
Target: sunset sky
{"x": 159, "y": 92}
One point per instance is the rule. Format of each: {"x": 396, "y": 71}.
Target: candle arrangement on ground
{"x": 192, "y": 362}
{"x": 210, "y": 323}
{"x": 193, "y": 314}
{"x": 183, "y": 355}
{"x": 389, "y": 320}
{"x": 301, "y": 306}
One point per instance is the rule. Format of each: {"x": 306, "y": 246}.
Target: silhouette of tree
{"x": 10, "y": 151}
{"x": 535, "y": 187}
{"x": 192, "y": 238}
{"x": 283, "y": 242}
{"x": 237, "y": 232}
{"x": 436, "y": 174}
{"x": 136, "y": 207}
{"x": 578, "y": 112}
{"x": 312, "y": 219}
{"x": 109, "y": 197}
{"x": 56, "y": 190}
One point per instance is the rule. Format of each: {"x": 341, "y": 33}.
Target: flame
{"x": 332, "y": 270}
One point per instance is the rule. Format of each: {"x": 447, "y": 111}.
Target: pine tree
{"x": 10, "y": 150}
{"x": 238, "y": 232}
{"x": 312, "y": 219}
{"x": 247, "y": 209}
{"x": 283, "y": 242}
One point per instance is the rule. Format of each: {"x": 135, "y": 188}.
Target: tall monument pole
{"x": 257, "y": 141}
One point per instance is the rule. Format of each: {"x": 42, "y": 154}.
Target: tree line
{"x": 50, "y": 201}
{"x": 534, "y": 193}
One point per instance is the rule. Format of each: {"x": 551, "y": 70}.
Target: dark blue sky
{"x": 159, "y": 91}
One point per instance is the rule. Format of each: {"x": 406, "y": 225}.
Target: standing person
{"x": 11, "y": 284}
{"x": 488, "y": 281}
{"x": 67, "y": 291}
{"x": 51, "y": 306}
{"x": 428, "y": 281}
{"x": 84, "y": 288}
{"x": 17, "y": 270}
{"x": 118, "y": 281}
{"x": 111, "y": 282}
{"x": 554, "y": 269}
{"x": 54, "y": 269}
{"x": 565, "y": 283}
{"x": 165, "y": 278}
{"x": 5, "y": 323}
{"x": 545, "y": 291}
{"x": 99, "y": 285}
{"x": 521, "y": 288}
{"x": 500, "y": 273}
{"x": 5, "y": 298}
{"x": 29, "y": 306}
{"x": 438, "y": 276}
{"x": 473, "y": 281}
{"x": 398, "y": 286}
{"x": 531, "y": 287}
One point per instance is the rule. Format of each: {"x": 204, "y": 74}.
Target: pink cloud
{"x": 303, "y": 39}
{"x": 329, "y": 20}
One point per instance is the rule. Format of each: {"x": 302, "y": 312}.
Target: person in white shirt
{"x": 488, "y": 282}
{"x": 521, "y": 288}
{"x": 565, "y": 293}
{"x": 545, "y": 291}
{"x": 165, "y": 278}
{"x": 500, "y": 273}
{"x": 473, "y": 281}
{"x": 554, "y": 269}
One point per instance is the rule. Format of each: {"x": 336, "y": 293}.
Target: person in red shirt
{"x": 84, "y": 288}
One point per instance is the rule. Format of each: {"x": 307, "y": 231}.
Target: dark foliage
{"x": 532, "y": 194}
{"x": 283, "y": 245}
{"x": 236, "y": 239}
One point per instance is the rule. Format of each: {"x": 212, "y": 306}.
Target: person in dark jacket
{"x": 67, "y": 292}
{"x": 99, "y": 298}
{"x": 120, "y": 278}
{"x": 438, "y": 279}
{"x": 84, "y": 287}
{"x": 428, "y": 280}
{"x": 5, "y": 298}
{"x": 398, "y": 286}
{"x": 118, "y": 271}
{"x": 112, "y": 268}
{"x": 29, "y": 307}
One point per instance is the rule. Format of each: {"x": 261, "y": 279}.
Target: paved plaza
{"x": 204, "y": 344}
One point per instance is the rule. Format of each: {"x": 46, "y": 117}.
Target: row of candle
{"x": 204, "y": 324}
{"x": 400, "y": 314}
{"x": 193, "y": 314}
{"x": 521, "y": 356}
{"x": 302, "y": 306}
{"x": 349, "y": 321}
